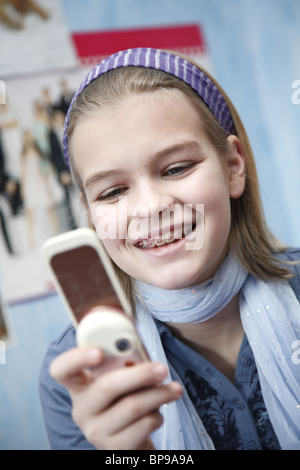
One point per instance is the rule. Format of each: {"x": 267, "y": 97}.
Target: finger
{"x": 112, "y": 385}
{"x": 136, "y": 406}
{"x": 136, "y": 436}
{"x": 147, "y": 445}
{"x": 69, "y": 368}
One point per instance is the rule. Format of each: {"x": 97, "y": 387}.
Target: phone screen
{"x": 84, "y": 280}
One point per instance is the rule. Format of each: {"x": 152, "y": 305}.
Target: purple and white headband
{"x": 166, "y": 62}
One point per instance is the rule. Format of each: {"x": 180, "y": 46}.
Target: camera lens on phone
{"x": 123, "y": 344}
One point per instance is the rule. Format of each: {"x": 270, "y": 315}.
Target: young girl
{"x": 216, "y": 296}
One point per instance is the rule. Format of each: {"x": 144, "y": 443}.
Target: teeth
{"x": 166, "y": 238}
{"x": 160, "y": 242}
{"x": 169, "y": 238}
{"x": 187, "y": 229}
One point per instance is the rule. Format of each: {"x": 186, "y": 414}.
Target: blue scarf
{"x": 270, "y": 314}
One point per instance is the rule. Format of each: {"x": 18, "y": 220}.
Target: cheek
{"x": 119, "y": 255}
{"x": 210, "y": 189}
{"x": 213, "y": 194}
{"x": 110, "y": 221}
{"x": 217, "y": 200}
{"x": 217, "y": 212}
{"x": 111, "y": 247}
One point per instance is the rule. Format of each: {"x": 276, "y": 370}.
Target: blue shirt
{"x": 233, "y": 414}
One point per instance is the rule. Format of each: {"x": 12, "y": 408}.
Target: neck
{"x": 217, "y": 339}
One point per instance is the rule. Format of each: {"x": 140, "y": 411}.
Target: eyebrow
{"x": 161, "y": 154}
{"x": 100, "y": 175}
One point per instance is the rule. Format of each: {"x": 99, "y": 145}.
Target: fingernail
{"x": 93, "y": 354}
{"x": 176, "y": 388}
{"x": 160, "y": 370}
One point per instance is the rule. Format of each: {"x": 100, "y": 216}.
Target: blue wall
{"x": 255, "y": 51}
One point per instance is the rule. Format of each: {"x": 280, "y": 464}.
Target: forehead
{"x": 135, "y": 127}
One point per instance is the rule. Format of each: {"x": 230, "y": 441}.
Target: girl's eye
{"x": 111, "y": 194}
{"x": 178, "y": 169}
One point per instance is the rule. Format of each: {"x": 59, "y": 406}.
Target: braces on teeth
{"x": 167, "y": 238}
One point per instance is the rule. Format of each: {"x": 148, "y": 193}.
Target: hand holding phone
{"x": 92, "y": 293}
{"x": 120, "y": 413}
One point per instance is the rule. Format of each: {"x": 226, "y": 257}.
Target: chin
{"x": 172, "y": 282}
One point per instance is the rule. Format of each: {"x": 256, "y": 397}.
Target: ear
{"x": 236, "y": 167}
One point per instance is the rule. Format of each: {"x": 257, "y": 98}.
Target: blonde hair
{"x": 249, "y": 236}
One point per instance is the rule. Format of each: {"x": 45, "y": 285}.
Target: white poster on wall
{"x": 34, "y": 37}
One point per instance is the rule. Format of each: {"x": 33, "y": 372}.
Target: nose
{"x": 151, "y": 199}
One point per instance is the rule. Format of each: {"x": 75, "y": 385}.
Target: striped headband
{"x": 167, "y": 62}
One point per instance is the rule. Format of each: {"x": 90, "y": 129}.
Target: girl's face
{"x": 150, "y": 176}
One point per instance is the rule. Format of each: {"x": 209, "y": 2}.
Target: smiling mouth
{"x": 167, "y": 238}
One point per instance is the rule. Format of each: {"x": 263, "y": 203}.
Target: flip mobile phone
{"x": 90, "y": 289}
